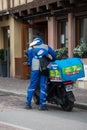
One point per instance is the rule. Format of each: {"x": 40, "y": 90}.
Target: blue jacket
{"x": 40, "y": 49}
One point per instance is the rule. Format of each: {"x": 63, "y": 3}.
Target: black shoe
{"x": 28, "y": 107}
{"x": 43, "y": 108}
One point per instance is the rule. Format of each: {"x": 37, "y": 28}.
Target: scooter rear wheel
{"x": 67, "y": 106}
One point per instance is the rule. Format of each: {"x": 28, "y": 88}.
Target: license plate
{"x": 69, "y": 87}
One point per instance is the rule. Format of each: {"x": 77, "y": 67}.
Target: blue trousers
{"x": 34, "y": 79}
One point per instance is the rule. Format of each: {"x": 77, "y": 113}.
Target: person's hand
{"x": 50, "y": 57}
{"x": 25, "y": 62}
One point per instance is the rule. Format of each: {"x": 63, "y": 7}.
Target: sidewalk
{"x": 19, "y": 87}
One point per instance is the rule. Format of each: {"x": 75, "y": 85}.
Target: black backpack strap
{"x": 35, "y": 51}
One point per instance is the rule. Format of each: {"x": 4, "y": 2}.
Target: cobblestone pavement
{"x": 11, "y": 101}
{"x": 13, "y": 84}
{"x": 8, "y": 101}
{"x": 20, "y": 86}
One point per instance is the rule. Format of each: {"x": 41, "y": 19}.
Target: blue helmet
{"x": 39, "y": 40}
{"x": 36, "y": 41}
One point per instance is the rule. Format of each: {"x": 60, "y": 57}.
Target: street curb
{"x": 12, "y": 93}
{"x": 81, "y": 105}
{"x": 76, "y": 104}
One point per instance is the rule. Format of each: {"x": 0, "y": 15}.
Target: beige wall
{"x": 29, "y": 1}
{"x": 3, "y": 5}
{"x": 15, "y": 47}
{"x": 16, "y": 2}
{"x": 17, "y": 37}
{"x": 15, "y": 41}
{"x": 82, "y": 84}
{"x": 12, "y": 49}
{"x": 0, "y": 4}
{"x": 22, "y": 1}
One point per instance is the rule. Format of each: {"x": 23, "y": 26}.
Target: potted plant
{"x": 62, "y": 53}
{"x": 77, "y": 52}
{"x": 80, "y": 50}
{"x": 3, "y": 64}
{"x": 1, "y": 54}
{"x": 83, "y": 48}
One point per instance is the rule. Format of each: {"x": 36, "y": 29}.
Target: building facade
{"x": 61, "y": 23}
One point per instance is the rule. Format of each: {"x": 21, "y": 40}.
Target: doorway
{"x": 6, "y": 37}
{"x": 38, "y": 29}
{"x": 31, "y": 31}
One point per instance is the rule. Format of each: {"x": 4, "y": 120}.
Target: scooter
{"x": 59, "y": 93}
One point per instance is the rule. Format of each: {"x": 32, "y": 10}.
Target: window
{"x": 83, "y": 30}
{"x": 62, "y": 34}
